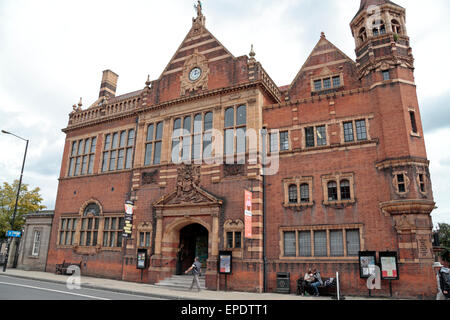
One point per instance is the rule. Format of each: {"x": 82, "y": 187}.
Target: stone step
{"x": 181, "y": 282}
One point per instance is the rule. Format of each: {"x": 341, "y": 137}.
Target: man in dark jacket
{"x": 443, "y": 281}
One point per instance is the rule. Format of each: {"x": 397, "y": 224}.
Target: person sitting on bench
{"x": 313, "y": 280}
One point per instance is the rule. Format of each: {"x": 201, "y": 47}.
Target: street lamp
{"x": 17, "y": 197}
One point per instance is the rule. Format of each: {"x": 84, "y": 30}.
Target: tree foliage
{"x": 29, "y": 201}
{"x": 444, "y": 239}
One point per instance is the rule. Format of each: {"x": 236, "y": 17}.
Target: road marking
{"x": 58, "y": 291}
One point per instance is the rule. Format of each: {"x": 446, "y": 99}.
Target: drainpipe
{"x": 264, "y": 141}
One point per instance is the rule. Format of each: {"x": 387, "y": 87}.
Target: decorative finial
{"x": 322, "y": 35}
{"x": 80, "y": 104}
{"x": 252, "y": 53}
{"x": 147, "y": 83}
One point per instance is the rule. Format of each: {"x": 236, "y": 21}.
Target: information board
{"x": 225, "y": 262}
{"x": 367, "y": 263}
{"x": 389, "y": 266}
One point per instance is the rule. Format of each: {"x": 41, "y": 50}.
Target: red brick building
{"x": 348, "y": 168}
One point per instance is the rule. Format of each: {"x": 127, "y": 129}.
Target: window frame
{"x": 358, "y": 134}
{"x": 204, "y": 136}
{"x": 311, "y": 135}
{"x": 155, "y": 142}
{"x": 347, "y": 249}
{"x": 89, "y": 225}
{"x": 338, "y": 179}
{"x": 112, "y": 145}
{"x": 328, "y": 79}
{"x": 80, "y": 158}
{"x": 35, "y": 250}
{"x": 298, "y": 182}
{"x": 237, "y": 130}
{"x": 234, "y": 227}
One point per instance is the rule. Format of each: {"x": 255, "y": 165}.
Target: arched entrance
{"x": 194, "y": 240}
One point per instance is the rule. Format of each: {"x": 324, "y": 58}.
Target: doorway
{"x": 194, "y": 239}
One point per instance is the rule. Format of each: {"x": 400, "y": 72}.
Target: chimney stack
{"x": 109, "y": 84}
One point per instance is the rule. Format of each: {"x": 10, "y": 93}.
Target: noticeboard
{"x": 141, "y": 262}
{"x": 367, "y": 263}
{"x": 389, "y": 266}
{"x": 225, "y": 262}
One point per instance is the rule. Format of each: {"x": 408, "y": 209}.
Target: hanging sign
{"x": 248, "y": 214}
{"x": 129, "y": 210}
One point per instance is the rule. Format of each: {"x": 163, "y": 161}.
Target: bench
{"x": 62, "y": 268}
{"x": 328, "y": 288}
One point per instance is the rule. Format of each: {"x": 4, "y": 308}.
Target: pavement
{"x": 162, "y": 293}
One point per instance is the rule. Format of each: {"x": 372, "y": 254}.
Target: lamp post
{"x": 17, "y": 196}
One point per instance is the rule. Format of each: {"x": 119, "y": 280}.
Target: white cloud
{"x": 53, "y": 52}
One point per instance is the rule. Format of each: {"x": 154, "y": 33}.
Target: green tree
{"x": 29, "y": 201}
{"x": 444, "y": 239}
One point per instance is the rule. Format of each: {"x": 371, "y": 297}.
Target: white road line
{"x": 58, "y": 291}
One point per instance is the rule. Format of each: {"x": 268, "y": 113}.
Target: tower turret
{"x": 382, "y": 42}
{"x": 386, "y": 69}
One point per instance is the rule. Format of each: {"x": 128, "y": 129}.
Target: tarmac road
{"x": 12, "y": 288}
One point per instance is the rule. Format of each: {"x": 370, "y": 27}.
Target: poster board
{"x": 367, "y": 263}
{"x": 141, "y": 261}
{"x": 389, "y": 266}
{"x": 225, "y": 262}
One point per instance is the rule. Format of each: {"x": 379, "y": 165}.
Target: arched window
{"x": 332, "y": 191}
{"x": 89, "y": 225}
{"x": 293, "y": 194}
{"x": 396, "y": 27}
{"x": 362, "y": 34}
{"x": 91, "y": 209}
{"x": 304, "y": 193}
{"x": 345, "y": 190}
{"x": 378, "y": 28}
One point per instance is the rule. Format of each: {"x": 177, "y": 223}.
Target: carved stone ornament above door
{"x": 189, "y": 84}
{"x": 188, "y": 191}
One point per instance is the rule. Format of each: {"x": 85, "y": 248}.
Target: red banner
{"x": 248, "y": 214}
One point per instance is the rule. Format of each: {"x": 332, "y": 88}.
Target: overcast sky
{"x": 52, "y": 52}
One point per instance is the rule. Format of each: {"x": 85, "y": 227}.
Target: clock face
{"x": 195, "y": 74}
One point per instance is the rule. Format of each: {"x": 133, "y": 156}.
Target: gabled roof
{"x": 323, "y": 47}
{"x": 201, "y": 39}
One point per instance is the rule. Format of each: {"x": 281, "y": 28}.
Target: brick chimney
{"x": 109, "y": 84}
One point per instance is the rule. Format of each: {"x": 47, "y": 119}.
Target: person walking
{"x": 443, "y": 281}
{"x": 196, "y": 271}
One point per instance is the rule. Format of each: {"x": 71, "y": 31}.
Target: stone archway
{"x": 194, "y": 240}
{"x": 188, "y": 204}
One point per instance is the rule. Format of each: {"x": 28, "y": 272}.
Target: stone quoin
{"x": 352, "y": 172}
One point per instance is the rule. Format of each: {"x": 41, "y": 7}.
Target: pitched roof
{"x": 323, "y": 47}
{"x": 201, "y": 39}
